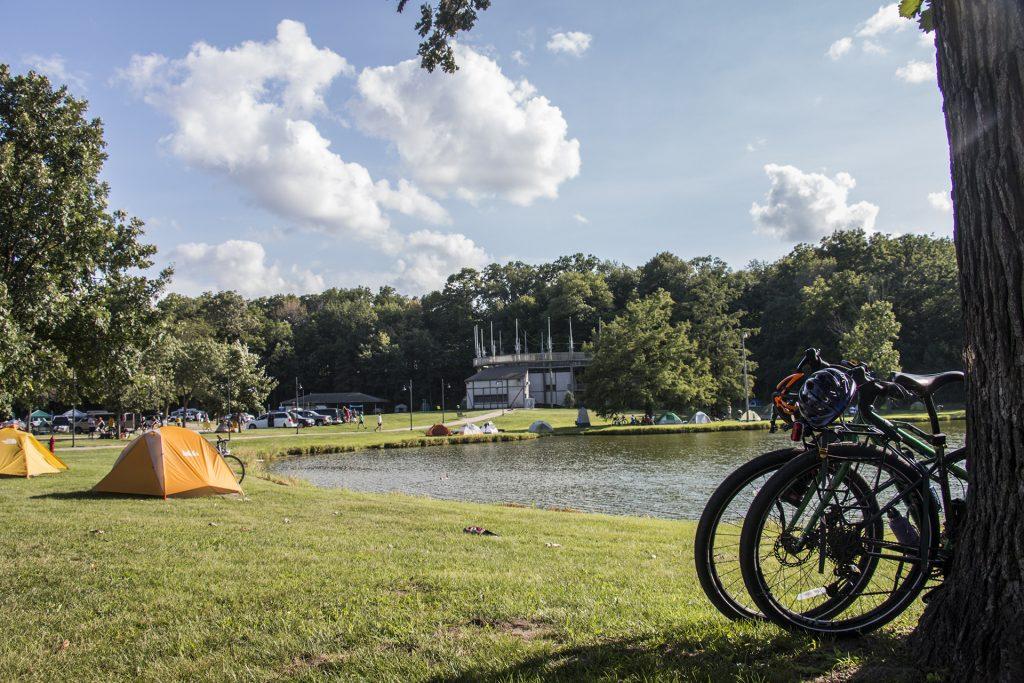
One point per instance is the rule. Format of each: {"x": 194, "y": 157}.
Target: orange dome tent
{"x": 21, "y": 455}
{"x": 169, "y": 461}
{"x": 439, "y": 430}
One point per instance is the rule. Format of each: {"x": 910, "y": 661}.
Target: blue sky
{"x": 297, "y": 149}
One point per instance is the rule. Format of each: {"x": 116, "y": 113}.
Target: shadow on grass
{"x": 731, "y": 656}
{"x": 89, "y": 494}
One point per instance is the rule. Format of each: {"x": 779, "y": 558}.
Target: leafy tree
{"x": 872, "y": 338}
{"x": 72, "y": 297}
{"x": 644, "y": 359}
{"x": 438, "y": 25}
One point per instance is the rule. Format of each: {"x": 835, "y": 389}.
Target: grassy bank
{"x": 296, "y": 582}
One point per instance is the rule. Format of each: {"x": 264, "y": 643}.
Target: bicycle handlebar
{"x": 869, "y": 387}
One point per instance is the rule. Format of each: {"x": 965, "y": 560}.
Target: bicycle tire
{"x": 729, "y": 596}
{"x": 829, "y": 623}
{"x": 236, "y": 466}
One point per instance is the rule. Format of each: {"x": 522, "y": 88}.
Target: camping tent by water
{"x": 669, "y": 419}
{"x": 700, "y": 418}
{"x": 21, "y": 455}
{"x": 471, "y": 428}
{"x": 439, "y": 430}
{"x": 582, "y": 417}
{"x": 169, "y": 461}
{"x": 750, "y": 416}
{"x": 489, "y": 428}
{"x": 541, "y": 427}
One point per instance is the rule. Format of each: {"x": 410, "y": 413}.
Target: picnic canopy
{"x": 40, "y": 413}
{"x": 669, "y": 419}
{"x": 74, "y": 412}
{"x": 169, "y": 461}
{"x": 700, "y": 418}
{"x": 21, "y": 455}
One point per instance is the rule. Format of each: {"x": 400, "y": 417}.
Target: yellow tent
{"x": 21, "y": 455}
{"x": 169, "y": 461}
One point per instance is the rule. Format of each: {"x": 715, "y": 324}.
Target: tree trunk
{"x": 974, "y": 627}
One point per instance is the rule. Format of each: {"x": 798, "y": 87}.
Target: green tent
{"x": 40, "y": 413}
{"x": 669, "y": 419}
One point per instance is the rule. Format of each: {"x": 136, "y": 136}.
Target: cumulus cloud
{"x": 475, "y": 133}
{"x": 580, "y": 218}
{"x": 519, "y": 58}
{"x": 940, "y": 201}
{"x": 573, "y": 43}
{"x": 805, "y": 206}
{"x": 55, "y": 68}
{"x": 839, "y": 48}
{"x": 431, "y": 256}
{"x": 240, "y": 265}
{"x": 247, "y": 113}
{"x": 916, "y": 71}
{"x": 886, "y": 20}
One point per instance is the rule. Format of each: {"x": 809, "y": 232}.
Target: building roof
{"x": 498, "y": 372}
{"x": 339, "y": 397}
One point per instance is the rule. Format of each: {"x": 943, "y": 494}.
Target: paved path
{"x": 278, "y": 434}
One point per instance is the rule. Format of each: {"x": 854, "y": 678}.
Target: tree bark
{"x": 974, "y": 626}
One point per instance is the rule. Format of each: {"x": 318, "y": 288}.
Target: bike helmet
{"x": 785, "y": 397}
{"x": 824, "y": 397}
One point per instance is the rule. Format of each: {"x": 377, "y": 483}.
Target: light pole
{"x": 746, "y": 391}
{"x": 442, "y": 399}
{"x": 297, "y": 387}
{"x": 410, "y": 403}
{"x": 74, "y": 400}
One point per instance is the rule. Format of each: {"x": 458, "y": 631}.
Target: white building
{"x": 525, "y": 380}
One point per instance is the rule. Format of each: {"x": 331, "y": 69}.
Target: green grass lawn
{"x": 296, "y": 582}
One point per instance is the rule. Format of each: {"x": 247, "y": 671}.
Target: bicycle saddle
{"x": 927, "y": 384}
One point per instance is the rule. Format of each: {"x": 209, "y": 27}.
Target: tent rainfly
{"x": 669, "y": 419}
{"x": 439, "y": 430}
{"x": 21, "y": 455}
{"x": 169, "y": 461}
{"x": 750, "y": 416}
{"x": 700, "y": 418}
{"x": 541, "y": 427}
{"x": 471, "y": 428}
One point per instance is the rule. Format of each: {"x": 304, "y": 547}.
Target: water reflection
{"x": 668, "y": 476}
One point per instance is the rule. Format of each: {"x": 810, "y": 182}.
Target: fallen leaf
{"x": 62, "y": 645}
{"x": 553, "y": 545}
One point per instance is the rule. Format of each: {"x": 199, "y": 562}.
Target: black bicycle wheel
{"x": 869, "y": 546}
{"x": 236, "y": 466}
{"x": 717, "y": 542}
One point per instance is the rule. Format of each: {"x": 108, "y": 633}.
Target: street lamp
{"x": 746, "y": 390}
{"x": 298, "y": 387}
{"x": 410, "y": 403}
{"x": 443, "y": 386}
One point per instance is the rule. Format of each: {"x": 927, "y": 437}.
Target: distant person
{"x": 53, "y": 443}
{"x": 380, "y": 423}
{"x": 362, "y": 422}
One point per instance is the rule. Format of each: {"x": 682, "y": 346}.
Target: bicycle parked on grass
{"x": 845, "y": 536}
{"x": 233, "y": 462}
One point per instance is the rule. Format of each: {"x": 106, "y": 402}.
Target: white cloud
{"x": 580, "y": 218}
{"x": 755, "y": 145}
{"x": 240, "y": 265}
{"x": 474, "y": 133}
{"x": 917, "y": 72}
{"x": 926, "y": 39}
{"x": 55, "y": 68}
{"x": 873, "y": 48}
{"x": 886, "y": 20}
{"x": 247, "y": 113}
{"x": 519, "y": 58}
{"x": 839, "y": 48}
{"x": 573, "y": 43}
{"x": 805, "y": 206}
{"x": 431, "y": 256}
{"x": 940, "y": 201}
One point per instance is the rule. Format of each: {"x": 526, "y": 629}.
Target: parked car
{"x": 281, "y": 419}
{"x": 303, "y": 420}
{"x": 61, "y": 424}
{"x": 314, "y": 415}
{"x": 333, "y": 414}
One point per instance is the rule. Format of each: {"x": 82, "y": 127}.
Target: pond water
{"x": 662, "y": 475}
